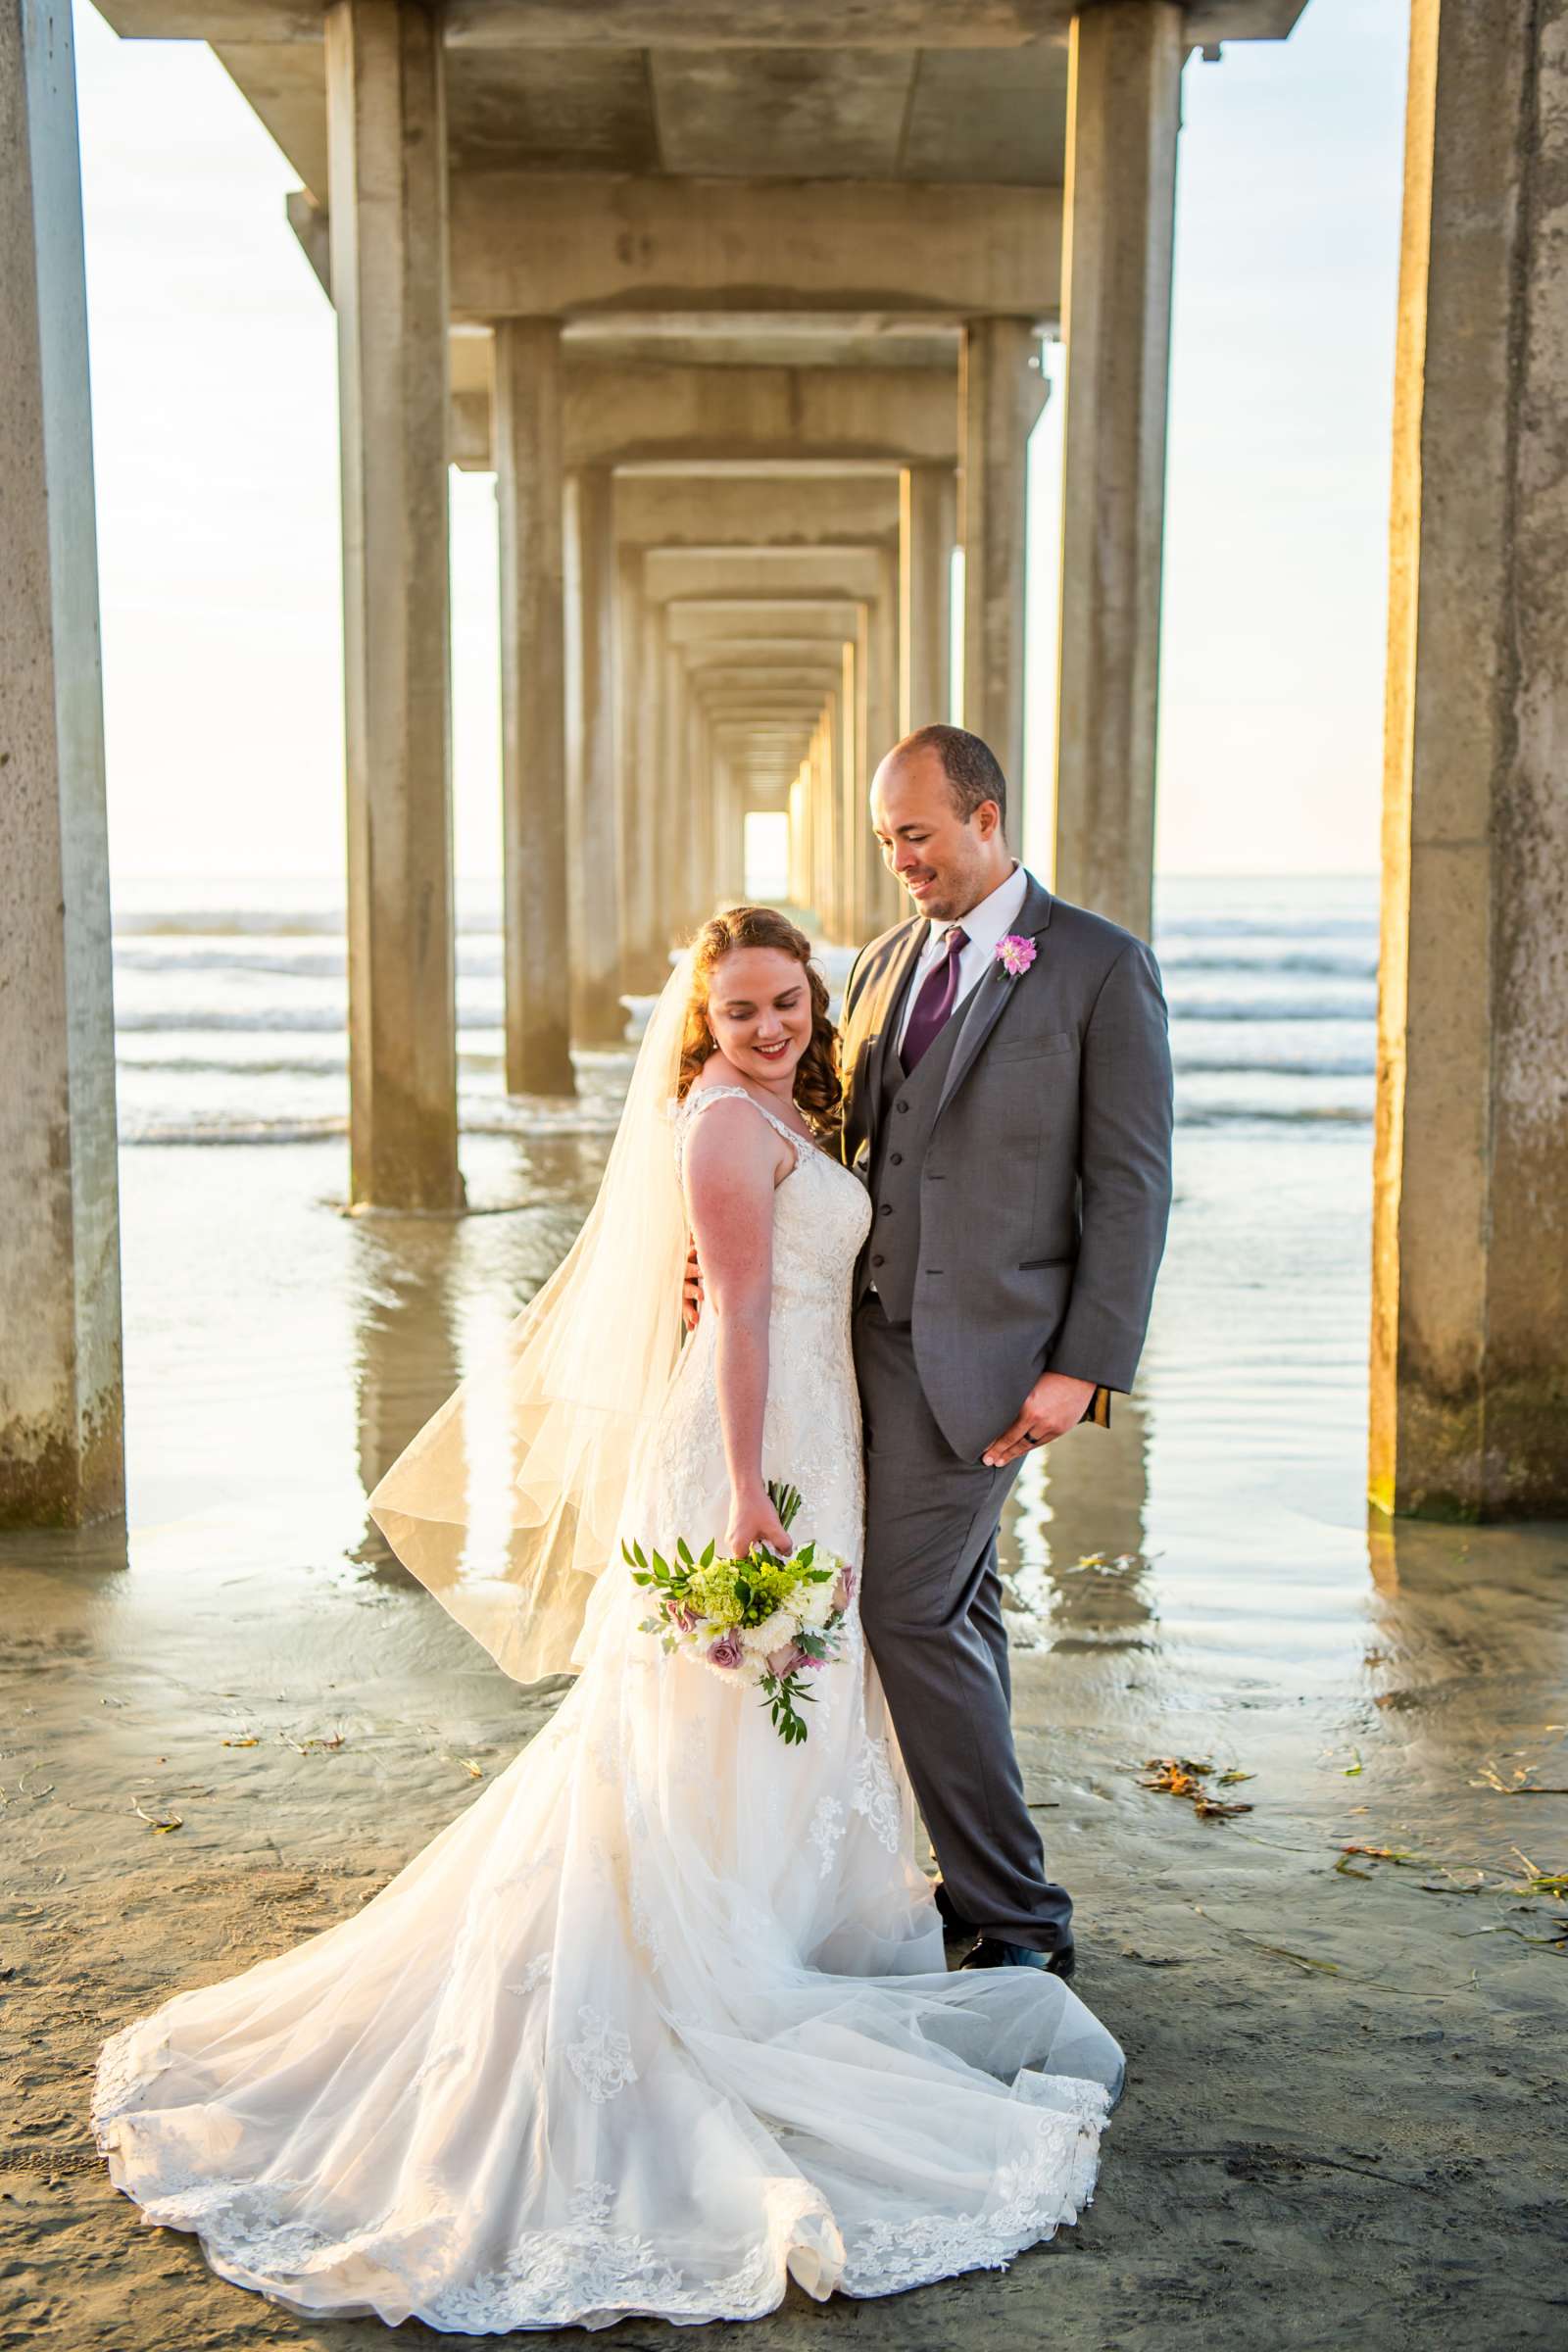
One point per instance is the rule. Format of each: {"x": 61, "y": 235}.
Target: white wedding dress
{"x": 661, "y": 2020}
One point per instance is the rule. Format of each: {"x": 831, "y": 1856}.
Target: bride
{"x": 661, "y": 2020}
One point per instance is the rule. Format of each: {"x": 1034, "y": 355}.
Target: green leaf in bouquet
{"x": 661, "y": 1567}
{"x": 683, "y": 1550}
{"x": 706, "y": 1561}
{"x": 785, "y": 1498}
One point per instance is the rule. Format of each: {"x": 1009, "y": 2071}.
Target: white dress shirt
{"x": 985, "y": 927}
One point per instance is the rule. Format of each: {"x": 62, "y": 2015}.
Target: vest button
{"x": 900, "y": 1106}
{"x": 877, "y": 1259}
{"x": 885, "y": 1210}
{"x": 895, "y": 1159}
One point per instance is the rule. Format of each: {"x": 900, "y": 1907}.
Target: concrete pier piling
{"x": 1470, "y": 1251}
{"x": 529, "y": 499}
{"x": 60, "y": 1382}
{"x": 1125, "y": 65}
{"x": 385, "y": 88}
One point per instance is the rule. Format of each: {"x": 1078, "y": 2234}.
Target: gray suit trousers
{"x": 931, "y": 1605}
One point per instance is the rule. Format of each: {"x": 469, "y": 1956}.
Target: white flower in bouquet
{"x": 774, "y": 1632}
{"x": 815, "y": 1604}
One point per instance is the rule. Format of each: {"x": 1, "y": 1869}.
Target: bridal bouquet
{"x": 766, "y": 1621}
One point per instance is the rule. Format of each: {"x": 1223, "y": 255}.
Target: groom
{"x": 1008, "y": 1106}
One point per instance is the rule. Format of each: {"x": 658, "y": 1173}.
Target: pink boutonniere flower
{"x": 1014, "y": 954}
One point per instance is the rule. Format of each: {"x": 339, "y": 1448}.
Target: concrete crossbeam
{"x": 709, "y": 417}
{"x": 785, "y": 675}
{"x": 537, "y": 244}
{"x": 669, "y": 511}
{"x": 814, "y": 572}
{"x": 698, "y": 25}
{"x": 755, "y": 618}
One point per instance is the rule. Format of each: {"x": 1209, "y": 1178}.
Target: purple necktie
{"x": 935, "y": 1001}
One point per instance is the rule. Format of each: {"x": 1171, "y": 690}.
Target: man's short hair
{"x": 970, "y": 767}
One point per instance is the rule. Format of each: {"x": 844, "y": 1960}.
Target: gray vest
{"x": 908, "y": 1113}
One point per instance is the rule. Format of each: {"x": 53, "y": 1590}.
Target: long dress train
{"x": 661, "y": 2020}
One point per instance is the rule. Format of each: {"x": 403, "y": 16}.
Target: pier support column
{"x": 700, "y": 803}
{"x": 729, "y": 802}
{"x": 663, "y": 832}
{"x": 677, "y": 800}
{"x": 62, "y": 1452}
{"x": 1123, "y": 114}
{"x": 998, "y": 403}
{"x": 529, "y": 492}
{"x": 1470, "y": 1240}
{"x": 824, "y": 793}
{"x": 599, "y": 1016}
{"x": 642, "y": 948}
{"x": 386, "y": 122}
{"x": 799, "y": 884}
{"x": 876, "y": 893}
{"x": 847, "y": 782}
{"x": 925, "y": 596}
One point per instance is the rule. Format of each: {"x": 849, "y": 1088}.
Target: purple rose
{"x": 725, "y": 1651}
{"x": 788, "y": 1660}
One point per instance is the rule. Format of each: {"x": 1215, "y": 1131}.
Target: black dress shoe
{"x": 953, "y": 1926}
{"x": 991, "y": 1952}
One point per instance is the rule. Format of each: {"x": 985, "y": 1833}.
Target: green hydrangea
{"x": 713, "y": 1591}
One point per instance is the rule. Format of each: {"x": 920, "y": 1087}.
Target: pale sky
{"x": 216, "y": 430}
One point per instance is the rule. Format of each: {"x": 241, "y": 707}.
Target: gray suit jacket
{"x": 1046, "y": 1183}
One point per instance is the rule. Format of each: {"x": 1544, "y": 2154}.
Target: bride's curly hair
{"x": 818, "y": 1088}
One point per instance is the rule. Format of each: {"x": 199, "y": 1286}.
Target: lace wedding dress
{"x": 661, "y": 2020}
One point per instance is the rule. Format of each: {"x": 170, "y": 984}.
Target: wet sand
{"x": 1343, "y": 2123}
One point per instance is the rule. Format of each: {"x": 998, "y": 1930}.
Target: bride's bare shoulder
{"x": 716, "y": 1070}
{"x": 730, "y": 1138}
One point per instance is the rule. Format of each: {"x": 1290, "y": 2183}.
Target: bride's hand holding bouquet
{"x": 754, "y": 1520}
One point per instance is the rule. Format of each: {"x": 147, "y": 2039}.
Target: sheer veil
{"x": 511, "y": 1499}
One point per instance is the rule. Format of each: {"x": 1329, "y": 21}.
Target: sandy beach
{"x": 1342, "y": 2120}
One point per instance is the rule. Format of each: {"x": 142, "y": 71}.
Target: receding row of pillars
{"x": 606, "y": 849}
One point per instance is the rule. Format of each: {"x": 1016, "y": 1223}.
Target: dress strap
{"x": 700, "y": 1094}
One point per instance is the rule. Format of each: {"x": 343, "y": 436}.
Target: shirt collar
{"x": 987, "y": 925}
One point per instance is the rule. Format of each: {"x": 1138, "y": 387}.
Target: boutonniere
{"x": 1015, "y": 953}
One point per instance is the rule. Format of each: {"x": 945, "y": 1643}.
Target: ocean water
{"x": 231, "y": 1000}
{"x": 279, "y": 1356}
